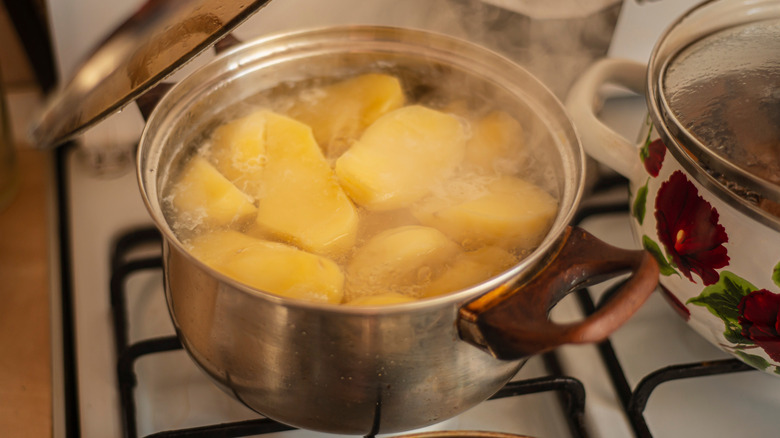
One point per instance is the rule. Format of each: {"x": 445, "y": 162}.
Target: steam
{"x": 553, "y": 39}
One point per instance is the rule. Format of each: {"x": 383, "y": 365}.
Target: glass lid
{"x": 720, "y": 97}
{"x": 155, "y": 41}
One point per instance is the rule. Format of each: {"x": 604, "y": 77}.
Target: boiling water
{"x": 468, "y": 182}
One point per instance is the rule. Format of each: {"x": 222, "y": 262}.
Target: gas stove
{"x": 119, "y": 370}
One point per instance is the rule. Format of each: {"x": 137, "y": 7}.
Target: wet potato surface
{"x": 353, "y": 192}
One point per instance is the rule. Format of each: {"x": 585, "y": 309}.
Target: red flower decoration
{"x": 759, "y": 316}
{"x": 688, "y": 227}
{"x": 652, "y": 155}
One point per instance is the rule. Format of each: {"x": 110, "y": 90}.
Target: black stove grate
{"x": 634, "y": 402}
{"x": 571, "y": 391}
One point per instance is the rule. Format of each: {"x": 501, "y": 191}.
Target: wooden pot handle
{"x": 512, "y": 322}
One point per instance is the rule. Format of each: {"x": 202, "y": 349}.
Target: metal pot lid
{"x": 153, "y": 43}
{"x": 719, "y": 94}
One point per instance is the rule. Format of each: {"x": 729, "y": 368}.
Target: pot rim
{"x": 708, "y": 181}
{"x": 697, "y": 23}
{"x": 292, "y": 44}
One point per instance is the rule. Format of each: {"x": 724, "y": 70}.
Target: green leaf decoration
{"x": 755, "y": 361}
{"x": 777, "y": 370}
{"x": 733, "y": 334}
{"x": 652, "y": 247}
{"x": 644, "y": 152}
{"x": 640, "y": 202}
{"x": 722, "y": 299}
{"x": 776, "y": 274}
{"x": 649, "y": 124}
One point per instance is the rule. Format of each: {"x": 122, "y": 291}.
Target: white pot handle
{"x": 584, "y": 101}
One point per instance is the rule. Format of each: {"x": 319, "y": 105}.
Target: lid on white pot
{"x": 150, "y": 45}
{"x": 715, "y": 81}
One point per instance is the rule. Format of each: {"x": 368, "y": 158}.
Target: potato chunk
{"x": 400, "y": 157}
{"x": 398, "y": 260}
{"x": 238, "y": 150}
{"x": 216, "y": 246}
{"x": 339, "y": 113}
{"x": 497, "y": 144}
{"x": 510, "y": 212}
{"x": 203, "y": 197}
{"x": 271, "y": 266}
{"x": 469, "y": 269}
{"x": 300, "y": 200}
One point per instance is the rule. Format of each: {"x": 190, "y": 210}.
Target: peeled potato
{"x": 300, "y": 200}
{"x": 510, "y": 212}
{"x": 238, "y": 150}
{"x": 496, "y": 144}
{"x": 216, "y": 246}
{"x": 378, "y": 221}
{"x": 469, "y": 269}
{"x": 339, "y": 113}
{"x": 270, "y": 266}
{"x": 400, "y": 157}
{"x": 204, "y": 197}
{"x": 398, "y": 260}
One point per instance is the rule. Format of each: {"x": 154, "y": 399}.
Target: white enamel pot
{"x": 713, "y": 227}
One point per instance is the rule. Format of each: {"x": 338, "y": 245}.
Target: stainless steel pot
{"x": 379, "y": 369}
